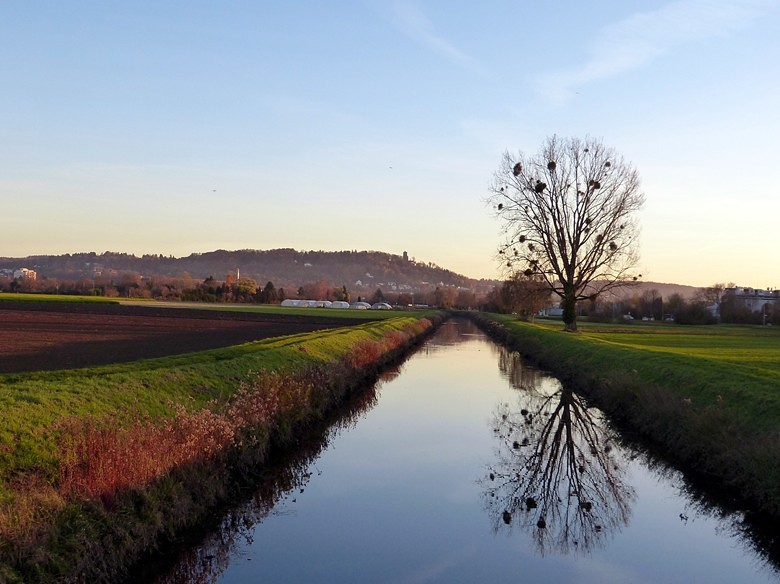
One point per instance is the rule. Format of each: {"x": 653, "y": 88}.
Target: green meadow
{"x": 276, "y": 309}
{"x": 22, "y": 297}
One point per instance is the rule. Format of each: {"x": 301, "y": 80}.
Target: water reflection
{"x": 754, "y": 532}
{"x": 453, "y": 332}
{"x": 557, "y": 474}
{"x": 205, "y": 562}
{"x": 397, "y": 500}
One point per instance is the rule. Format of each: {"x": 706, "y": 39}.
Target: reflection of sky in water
{"x": 398, "y": 499}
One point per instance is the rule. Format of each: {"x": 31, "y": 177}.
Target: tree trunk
{"x": 569, "y": 311}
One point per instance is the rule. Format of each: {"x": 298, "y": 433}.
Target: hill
{"x": 664, "y": 290}
{"x": 287, "y": 268}
{"x": 359, "y": 271}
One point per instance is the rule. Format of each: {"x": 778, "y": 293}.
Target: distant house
{"x": 552, "y": 312}
{"x": 754, "y": 299}
{"x": 749, "y": 305}
{"x": 25, "y": 274}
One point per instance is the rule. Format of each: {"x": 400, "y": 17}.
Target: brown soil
{"x": 47, "y": 336}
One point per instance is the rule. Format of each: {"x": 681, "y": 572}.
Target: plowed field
{"x": 45, "y": 336}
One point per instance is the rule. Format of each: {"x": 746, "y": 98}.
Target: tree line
{"x": 525, "y": 295}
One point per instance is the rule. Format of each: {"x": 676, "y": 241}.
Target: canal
{"x": 467, "y": 465}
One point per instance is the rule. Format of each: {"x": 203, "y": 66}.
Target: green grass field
{"x": 749, "y": 348}
{"x": 18, "y": 297}
{"x": 737, "y": 362}
{"x": 276, "y": 309}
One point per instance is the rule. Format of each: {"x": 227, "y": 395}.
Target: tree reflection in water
{"x": 557, "y": 472}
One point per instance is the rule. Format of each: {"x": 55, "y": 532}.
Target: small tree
{"x": 341, "y": 294}
{"x": 567, "y": 215}
{"x": 314, "y": 290}
{"x": 674, "y": 306}
{"x": 525, "y": 295}
{"x": 466, "y": 299}
{"x": 269, "y": 295}
{"x": 378, "y": 296}
{"x": 713, "y": 295}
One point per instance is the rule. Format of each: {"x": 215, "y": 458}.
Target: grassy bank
{"x": 276, "y": 309}
{"x": 21, "y": 297}
{"x": 97, "y": 465}
{"x": 707, "y": 397}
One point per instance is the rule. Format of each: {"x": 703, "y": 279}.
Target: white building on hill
{"x": 754, "y": 299}
{"x": 25, "y": 274}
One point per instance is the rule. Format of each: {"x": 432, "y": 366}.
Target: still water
{"x": 466, "y": 465}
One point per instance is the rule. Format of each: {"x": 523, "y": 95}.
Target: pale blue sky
{"x": 179, "y": 127}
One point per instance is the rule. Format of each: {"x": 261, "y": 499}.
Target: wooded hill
{"x": 284, "y": 267}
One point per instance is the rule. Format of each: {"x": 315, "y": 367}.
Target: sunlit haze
{"x": 181, "y": 127}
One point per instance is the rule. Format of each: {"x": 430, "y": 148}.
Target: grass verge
{"x": 22, "y": 297}
{"x": 276, "y": 309}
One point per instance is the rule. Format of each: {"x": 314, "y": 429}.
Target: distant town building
{"x": 25, "y": 274}
{"x": 753, "y": 299}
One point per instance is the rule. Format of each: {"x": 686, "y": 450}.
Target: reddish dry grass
{"x": 100, "y": 458}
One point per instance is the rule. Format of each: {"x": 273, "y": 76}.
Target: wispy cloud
{"x": 645, "y": 36}
{"x": 411, "y": 21}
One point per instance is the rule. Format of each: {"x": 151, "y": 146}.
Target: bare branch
{"x": 567, "y": 213}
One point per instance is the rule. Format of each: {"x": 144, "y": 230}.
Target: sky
{"x": 181, "y": 127}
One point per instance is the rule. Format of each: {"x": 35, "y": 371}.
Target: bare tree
{"x": 444, "y": 297}
{"x": 525, "y": 294}
{"x": 711, "y": 294}
{"x": 567, "y": 215}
